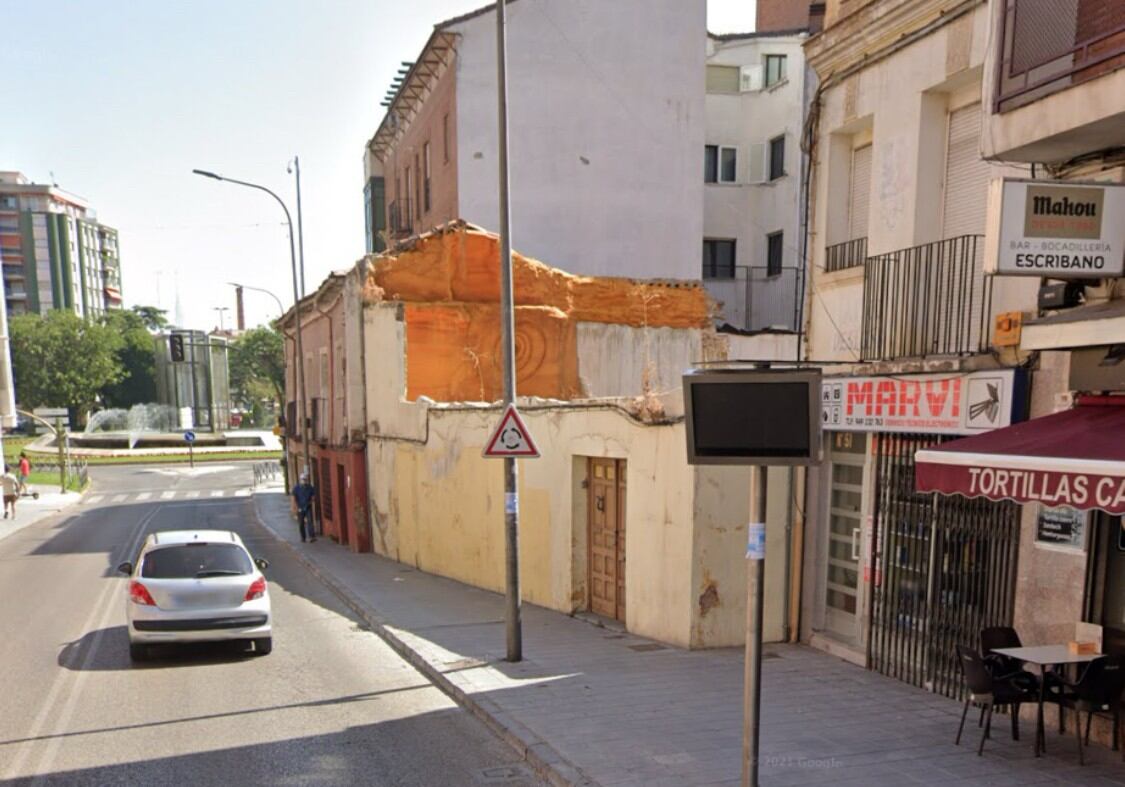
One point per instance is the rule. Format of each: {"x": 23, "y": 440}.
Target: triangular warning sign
{"x": 511, "y": 437}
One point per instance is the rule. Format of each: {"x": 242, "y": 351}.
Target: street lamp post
{"x": 302, "y": 401}
{"x": 220, "y": 310}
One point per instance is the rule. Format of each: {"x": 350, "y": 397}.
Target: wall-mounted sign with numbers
{"x": 956, "y": 403}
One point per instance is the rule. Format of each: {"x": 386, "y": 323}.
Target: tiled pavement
{"x": 594, "y": 706}
{"x": 30, "y": 510}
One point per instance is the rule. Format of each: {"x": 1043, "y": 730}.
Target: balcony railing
{"x": 1049, "y": 46}
{"x": 400, "y": 220}
{"x": 754, "y": 298}
{"x": 927, "y": 300}
{"x": 849, "y": 254}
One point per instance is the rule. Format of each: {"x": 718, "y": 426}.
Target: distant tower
{"x": 240, "y": 314}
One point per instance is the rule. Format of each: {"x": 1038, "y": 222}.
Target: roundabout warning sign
{"x": 511, "y": 438}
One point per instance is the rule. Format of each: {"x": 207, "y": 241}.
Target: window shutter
{"x": 966, "y": 175}
{"x": 750, "y": 78}
{"x": 759, "y": 152}
{"x": 860, "y": 197}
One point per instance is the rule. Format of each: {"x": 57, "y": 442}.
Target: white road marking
{"x": 167, "y": 495}
{"x": 192, "y": 495}
{"x": 242, "y": 493}
{"x": 217, "y": 493}
{"x": 119, "y": 498}
{"x": 102, "y": 609}
{"x": 95, "y": 499}
{"x": 144, "y": 495}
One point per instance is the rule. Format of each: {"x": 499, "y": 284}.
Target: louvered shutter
{"x": 966, "y": 175}
{"x": 860, "y": 197}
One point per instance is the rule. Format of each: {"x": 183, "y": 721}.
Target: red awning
{"x": 1074, "y": 458}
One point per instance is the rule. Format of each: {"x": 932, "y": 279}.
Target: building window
{"x": 720, "y": 164}
{"x": 722, "y": 79}
{"x": 445, "y": 136}
{"x": 777, "y": 157}
{"x": 774, "y": 251}
{"x": 426, "y": 170}
{"x": 417, "y": 186}
{"x": 775, "y": 69}
{"x": 718, "y": 259}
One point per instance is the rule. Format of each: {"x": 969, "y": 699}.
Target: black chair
{"x": 1097, "y": 691}
{"x": 989, "y": 692}
{"x": 996, "y": 637}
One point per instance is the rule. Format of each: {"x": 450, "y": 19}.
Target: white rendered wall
{"x": 606, "y": 130}
{"x": 745, "y": 211}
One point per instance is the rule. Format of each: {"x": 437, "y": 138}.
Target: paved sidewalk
{"x": 593, "y": 706}
{"x": 29, "y": 510}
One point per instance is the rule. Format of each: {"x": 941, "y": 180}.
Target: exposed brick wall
{"x": 782, "y": 15}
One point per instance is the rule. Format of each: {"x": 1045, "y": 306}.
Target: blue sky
{"x": 121, "y": 100}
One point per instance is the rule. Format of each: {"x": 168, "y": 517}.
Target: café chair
{"x": 987, "y": 691}
{"x": 1097, "y": 691}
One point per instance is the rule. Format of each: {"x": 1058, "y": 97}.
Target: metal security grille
{"x": 946, "y": 568}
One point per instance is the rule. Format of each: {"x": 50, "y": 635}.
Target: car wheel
{"x": 263, "y": 646}
{"x": 138, "y": 652}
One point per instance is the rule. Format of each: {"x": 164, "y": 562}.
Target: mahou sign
{"x": 1060, "y": 229}
{"x": 965, "y": 403}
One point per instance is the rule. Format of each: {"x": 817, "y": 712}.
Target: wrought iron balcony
{"x": 927, "y": 300}
{"x": 849, "y": 254}
{"x": 1047, "y": 46}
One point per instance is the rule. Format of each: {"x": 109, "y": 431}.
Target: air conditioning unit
{"x": 750, "y": 78}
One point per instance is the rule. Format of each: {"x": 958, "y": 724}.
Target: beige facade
{"x": 924, "y": 106}
{"x": 438, "y": 504}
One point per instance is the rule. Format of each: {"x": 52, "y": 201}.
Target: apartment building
{"x": 56, "y": 254}
{"x": 606, "y": 121}
{"x": 895, "y": 579}
{"x": 967, "y": 257}
{"x": 758, "y": 88}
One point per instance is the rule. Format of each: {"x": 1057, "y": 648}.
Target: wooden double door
{"x": 606, "y": 537}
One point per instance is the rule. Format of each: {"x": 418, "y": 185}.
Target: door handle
{"x": 855, "y": 543}
{"x": 599, "y": 502}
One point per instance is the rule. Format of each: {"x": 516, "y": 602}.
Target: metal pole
{"x": 513, "y": 626}
{"x": 752, "y": 668}
{"x": 60, "y": 438}
{"x": 300, "y": 224}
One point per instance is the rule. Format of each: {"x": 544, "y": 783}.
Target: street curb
{"x": 538, "y": 753}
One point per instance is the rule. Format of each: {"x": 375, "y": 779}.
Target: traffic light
{"x": 176, "y": 344}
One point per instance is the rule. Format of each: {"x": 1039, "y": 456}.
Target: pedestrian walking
{"x": 25, "y": 471}
{"x": 11, "y": 488}
{"x": 303, "y": 495}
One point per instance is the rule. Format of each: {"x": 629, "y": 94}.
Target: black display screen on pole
{"x": 742, "y": 416}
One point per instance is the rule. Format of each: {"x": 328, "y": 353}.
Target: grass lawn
{"x": 14, "y": 444}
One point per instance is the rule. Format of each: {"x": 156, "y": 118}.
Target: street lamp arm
{"x": 280, "y": 202}
{"x": 280, "y": 307}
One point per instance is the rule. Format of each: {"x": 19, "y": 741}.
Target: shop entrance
{"x": 606, "y": 515}
{"x": 1105, "y": 580}
{"x": 946, "y": 569}
{"x": 842, "y": 589}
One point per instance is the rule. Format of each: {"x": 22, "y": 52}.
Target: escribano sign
{"x": 1059, "y": 229}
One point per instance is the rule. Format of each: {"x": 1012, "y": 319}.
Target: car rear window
{"x": 191, "y": 560}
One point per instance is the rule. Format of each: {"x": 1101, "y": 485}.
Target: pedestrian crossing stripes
{"x": 166, "y": 495}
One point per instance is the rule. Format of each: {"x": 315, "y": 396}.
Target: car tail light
{"x": 139, "y": 594}
{"x": 257, "y": 589}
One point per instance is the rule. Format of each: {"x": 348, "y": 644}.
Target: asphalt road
{"x": 331, "y": 705}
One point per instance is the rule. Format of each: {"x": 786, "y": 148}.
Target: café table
{"x": 1045, "y": 657}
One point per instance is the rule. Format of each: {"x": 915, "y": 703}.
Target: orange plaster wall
{"x": 450, "y": 285}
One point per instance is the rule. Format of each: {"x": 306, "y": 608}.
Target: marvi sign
{"x": 960, "y": 403}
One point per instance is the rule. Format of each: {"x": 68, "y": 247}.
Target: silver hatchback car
{"x": 196, "y": 586}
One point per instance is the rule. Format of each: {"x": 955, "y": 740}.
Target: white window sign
{"x": 1058, "y": 229}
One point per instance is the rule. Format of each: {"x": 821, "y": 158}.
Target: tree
{"x": 257, "y": 367}
{"x": 154, "y": 319}
{"x": 61, "y": 360}
{"x": 136, "y": 356}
